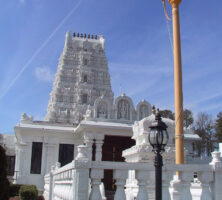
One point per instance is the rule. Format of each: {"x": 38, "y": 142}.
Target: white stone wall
{"x": 51, "y": 136}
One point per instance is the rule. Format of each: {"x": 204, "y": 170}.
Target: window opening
{"x": 84, "y": 78}
{"x": 66, "y": 153}
{"x": 85, "y": 61}
{"x": 36, "y": 160}
{"x": 84, "y": 98}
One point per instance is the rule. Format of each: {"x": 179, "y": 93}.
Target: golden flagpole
{"x": 178, "y": 90}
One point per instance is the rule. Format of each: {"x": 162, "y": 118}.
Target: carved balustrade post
{"x": 181, "y": 186}
{"x": 80, "y": 175}
{"x": 88, "y": 140}
{"x": 51, "y": 182}
{"x": 186, "y": 178}
{"x": 120, "y": 176}
{"x": 96, "y": 176}
{"x": 205, "y": 178}
{"x": 166, "y": 178}
{"x": 99, "y": 144}
{"x": 142, "y": 176}
{"x": 217, "y": 167}
{"x": 176, "y": 188}
{"x": 151, "y": 185}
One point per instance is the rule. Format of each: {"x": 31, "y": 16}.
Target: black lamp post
{"x": 158, "y": 138}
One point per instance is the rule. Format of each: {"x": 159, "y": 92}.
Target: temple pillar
{"x": 22, "y": 162}
{"x": 99, "y": 140}
{"x": 51, "y": 158}
{"x": 88, "y": 140}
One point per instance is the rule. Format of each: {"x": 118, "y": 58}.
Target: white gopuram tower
{"x": 81, "y": 78}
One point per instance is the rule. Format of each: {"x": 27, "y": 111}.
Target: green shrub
{"x": 14, "y": 190}
{"x": 28, "y": 192}
{"x": 4, "y": 183}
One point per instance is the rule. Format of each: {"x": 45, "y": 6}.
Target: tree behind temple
{"x": 204, "y": 128}
{"x": 167, "y": 114}
{"x": 4, "y": 183}
{"x": 187, "y": 118}
{"x": 218, "y": 127}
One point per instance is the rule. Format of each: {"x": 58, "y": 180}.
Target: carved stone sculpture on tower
{"x": 81, "y": 78}
{"x": 123, "y": 110}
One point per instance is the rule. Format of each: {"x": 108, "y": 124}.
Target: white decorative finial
{"x": 57, "y": 165}
{"x": 25, "y": 118}
{"x": 215, "y": 157}
{"x": 102, "y": 40}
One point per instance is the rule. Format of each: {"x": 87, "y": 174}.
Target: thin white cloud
{"x": 44, "y": 74}
{"x": 36, "y": 53}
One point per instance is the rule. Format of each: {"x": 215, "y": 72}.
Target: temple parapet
{"x": 121, "y": 109}
{"x": 88, "y": 36}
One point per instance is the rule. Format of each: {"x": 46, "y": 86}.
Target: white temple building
{"x": 83, "y": 116}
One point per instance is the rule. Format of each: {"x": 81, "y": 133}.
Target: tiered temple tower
{"x": 81, "y": 78}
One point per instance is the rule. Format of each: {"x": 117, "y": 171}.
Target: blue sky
{"x": 137, "y": 47}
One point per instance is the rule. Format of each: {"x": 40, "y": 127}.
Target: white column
{"x": 120, "y": 176}
{"x": 44, "y": 158}
{"x": 50, "y": 156}
{"x": 99, "y": 143}
{"x": 96, "y": 176}
{"x": 20, "y": 161}
{"x": 27, "y": 158}
{"x": 88, "y": 139}
{"x": 142, "y": 178}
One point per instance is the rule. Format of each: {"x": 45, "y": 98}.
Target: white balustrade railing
{"x": 47, "y": 186}
{"x": 62, "y": 183}
{"x": 81, "y": 180}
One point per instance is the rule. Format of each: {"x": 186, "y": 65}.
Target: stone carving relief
{"x": 25, "y": 118}
{"x": 143, "y": 111}
{"x": 85, "y": 45}
{"x": 123, "y": 111}
{"x": 88, "y": 112}
{"x": 102, "y": 110}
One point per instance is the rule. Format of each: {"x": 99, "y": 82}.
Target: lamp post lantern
{"x": 158, "y": 138}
